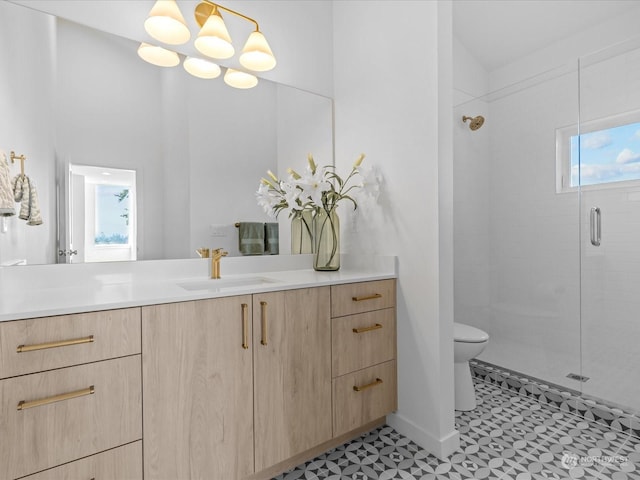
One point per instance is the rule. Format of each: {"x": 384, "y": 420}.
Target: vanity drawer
{"x": 363, "y": 396}
{"x": 362, "y": 340}
{"x": 352, "y": 298}
{"x": 66, "y": 340}
{"x": 122, "y": 463}
{"x": 37, "y": 437}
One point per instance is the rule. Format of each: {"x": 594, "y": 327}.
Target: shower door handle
{"x": 595, "y": 226}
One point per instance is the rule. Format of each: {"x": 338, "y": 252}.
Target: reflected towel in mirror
{"x": 271, "y": 239}
{"x": 24, "y": 191}
{"x": 7, "y": 207}
{"x": 251, "y": 238}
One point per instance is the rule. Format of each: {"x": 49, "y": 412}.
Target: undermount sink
{"x": 221, "y": 284}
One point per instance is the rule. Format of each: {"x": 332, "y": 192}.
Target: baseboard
{"x": 440, "y": 447}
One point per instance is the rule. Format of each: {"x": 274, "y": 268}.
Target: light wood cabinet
{"x": 363, "y": 340}
{"x": 198, "y": 392}
{"x": 103, "y": 412}
{"x": 28, "y": 346}
{"x": 122, "y": 463}
{"x": 292, "y": 373}
{"x": 364, "y": 353}
{"x": 352, "y": 298}
{"x": 220, "y": 389}
{"x": 363, "y": 396}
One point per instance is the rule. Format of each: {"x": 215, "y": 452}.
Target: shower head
{"x": 476, "y": 122}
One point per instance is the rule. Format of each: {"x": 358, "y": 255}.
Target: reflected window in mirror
{"x": 103, "y": 214}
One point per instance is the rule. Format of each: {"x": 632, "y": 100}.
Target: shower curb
{"x": 567, "y": 400}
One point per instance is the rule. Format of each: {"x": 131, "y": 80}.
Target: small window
{"x": 605, "y": 154}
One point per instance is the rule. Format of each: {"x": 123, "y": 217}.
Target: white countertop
{"x": 45, "y": 290}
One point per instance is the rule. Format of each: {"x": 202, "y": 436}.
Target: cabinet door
{"x": 197, "y": 390}
{"x": 122, "y": 463}
{"x": 54, "y": 417}
{"x": 292, "y": 373}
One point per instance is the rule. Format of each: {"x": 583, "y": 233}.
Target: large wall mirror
{"x": 77, "y": 100}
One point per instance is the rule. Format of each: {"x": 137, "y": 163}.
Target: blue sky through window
{"x": 610, "y": 155}
{"x": 112, "y": 227}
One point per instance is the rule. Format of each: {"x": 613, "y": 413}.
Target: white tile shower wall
{"x": 516, "y": 239}
{"x": 611, "y": 272}
{"x": 534, "y": 234}
{"x": 471, "y": 216}
{"x": 471, "y": 191}
{"x": 534, "y": 316}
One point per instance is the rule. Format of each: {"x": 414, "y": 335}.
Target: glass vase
{"x": 302, "y": 233}
{"x": 327, "y": 231}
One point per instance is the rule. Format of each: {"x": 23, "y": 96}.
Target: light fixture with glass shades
{"x": 167, "y": 25}
{"x": 201, "y": 68}
{"x": 239, "y": 79}
{"x": 158, "y": 56}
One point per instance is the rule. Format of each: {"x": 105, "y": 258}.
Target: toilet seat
{"x": 468, "y": 334}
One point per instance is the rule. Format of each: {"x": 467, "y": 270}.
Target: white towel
{"x": 7, "y": 207}
{"x": 24, "y": 191}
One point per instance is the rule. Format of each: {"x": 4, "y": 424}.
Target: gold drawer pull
{"x": 370, "y": 385}
{"x": 263, "y": 311}
{"x": 377, "y": 326}
{"x": 57, "y": 398}
{"x": 368, "y": 297}
{"x": 245, "y": 326}
{"x": 61, "y": 343}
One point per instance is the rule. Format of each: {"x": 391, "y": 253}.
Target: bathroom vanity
{"x": 223, "y": 383}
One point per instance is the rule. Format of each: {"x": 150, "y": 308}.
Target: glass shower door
{"x": 605, "y": 170}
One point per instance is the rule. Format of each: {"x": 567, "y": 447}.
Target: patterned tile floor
{"x": 508, "y": 437}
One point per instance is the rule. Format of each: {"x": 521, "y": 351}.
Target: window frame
{"x": 563, "y": 151}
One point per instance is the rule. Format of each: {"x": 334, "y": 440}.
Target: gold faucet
{"x": 216, "y": 255}
{"x": 203, "y": 252}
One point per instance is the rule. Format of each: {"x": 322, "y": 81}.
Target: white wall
{"x": 108, "y": 113}
{"x": 227, "y": 164}
{"x": 305, "y": 125}
{"x": 26, "y": 115}
{"x": 562, "y": 54}
{"x": 393, "y": 115}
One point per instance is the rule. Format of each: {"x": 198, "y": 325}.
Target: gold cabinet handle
{"x": 61, "y": 343}
{"x": 57, "y": 398}
{"x": 377, "y": 326}
{"x": 370, "y": 385}
{"x": 263, "y": 316}
{"x": 245, "y": 326}
{"x": 368, "y": 297}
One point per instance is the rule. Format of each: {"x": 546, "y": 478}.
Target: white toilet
{"x": 468, "y": 342}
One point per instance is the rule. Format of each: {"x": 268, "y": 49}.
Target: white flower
{"x": 291, "y": 194}
{"x": 267, "y": 199}
{"x": 313, "y": 185}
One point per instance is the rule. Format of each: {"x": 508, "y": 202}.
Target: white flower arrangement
{"x": 317, "y": 188}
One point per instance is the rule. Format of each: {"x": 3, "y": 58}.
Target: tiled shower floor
{"x": 507, "y": 437}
